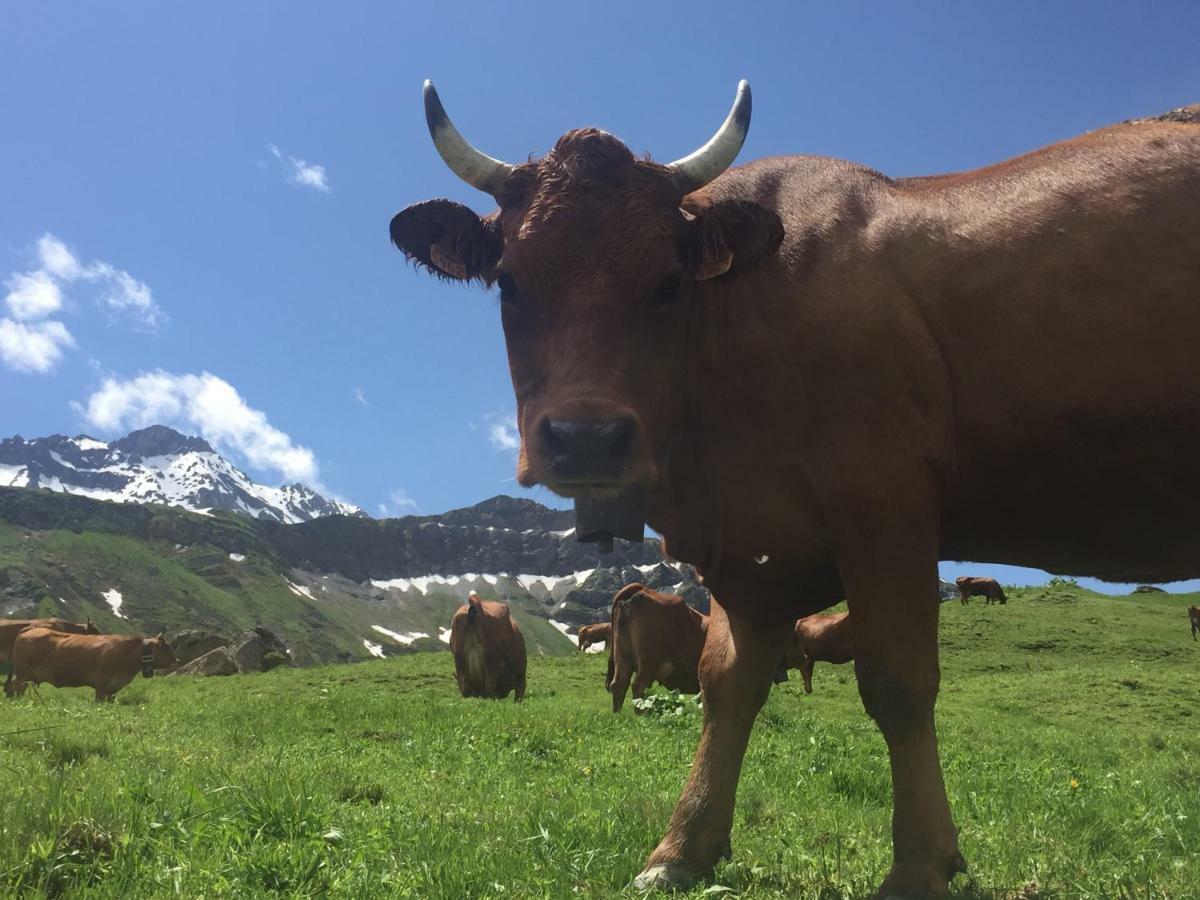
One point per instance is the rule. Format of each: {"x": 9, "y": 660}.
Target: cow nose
{"x": 587, "y": 448}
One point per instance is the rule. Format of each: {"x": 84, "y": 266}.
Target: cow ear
{"x": 449, "y": 240}
{"x": 730, "y": 237}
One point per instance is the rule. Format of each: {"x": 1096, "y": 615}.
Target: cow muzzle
{"x": 585, "y": 455}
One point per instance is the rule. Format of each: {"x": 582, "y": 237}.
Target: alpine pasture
{"x": 1068, "y": 725}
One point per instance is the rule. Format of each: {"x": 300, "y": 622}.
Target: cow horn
{"x": 695, "y": 171}
{"x": 475, "y": 168}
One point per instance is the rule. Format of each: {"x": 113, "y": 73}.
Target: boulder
{"x": 259, "y": 650}
{"x": 190, "y": 645}
{"x": 214, "y": 662}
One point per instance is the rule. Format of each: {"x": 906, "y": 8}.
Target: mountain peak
{"x": 159, "y": 440}
{"x": 514, "y": 513}
{"x": 156, "y": 465}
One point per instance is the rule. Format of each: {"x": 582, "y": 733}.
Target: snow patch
{"x": 373, "y": 649}
{"x": 299, "y": 590}
{"x": 566, "y": 631}
{"x": 62, "y": 462}
{"x": 444, "y": 635}
{"x": 423, "y": 583}
{"x": 237, "y": 557}
{"x": 399, "y": 638}
{"x": 14, "y": 476}
{"x": 86, "y": 443}
{"x": 114, "y": 599}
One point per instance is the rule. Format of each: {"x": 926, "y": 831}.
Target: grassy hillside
{"x": 177, "y": 570}
{"x": 1069, "y": 735}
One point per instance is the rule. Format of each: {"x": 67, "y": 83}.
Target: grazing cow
{"x": 659, "y": 637}
{"x": 987, "y": 588}
{"x": 10, "y": 628}
{"x": 820, "y": 638}
{"x": 1194, "y": 618}
{"x": 104, "y": 662}
{"x": 809, "y": 377}
{"x": 599, "y": 633}
{"x": 489, "y": 650}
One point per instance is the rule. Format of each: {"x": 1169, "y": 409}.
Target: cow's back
{"x": 1039, "y": 323}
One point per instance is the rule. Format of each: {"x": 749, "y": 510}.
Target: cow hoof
{"x": 921, "y": 882}
{"x": 666, "y": 877}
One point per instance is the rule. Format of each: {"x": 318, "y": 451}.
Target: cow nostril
{"x": 589, "y": 446}
{"x": 555, "y": 436}
{"x": 621, "y": 434}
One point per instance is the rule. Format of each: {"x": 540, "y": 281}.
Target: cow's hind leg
{"x": 892, "y": 595}
{"x": 806, "y": 670}
{"x": 618, "y": 685}
{"x": 642, "y": 682}
{"x": 736, "y": 671}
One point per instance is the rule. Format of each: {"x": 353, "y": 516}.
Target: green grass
{"x": 1069, "y": 736}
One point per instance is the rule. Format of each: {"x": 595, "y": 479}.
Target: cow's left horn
{"x": 475, "y": 168}
{"x": 695, "y": 171}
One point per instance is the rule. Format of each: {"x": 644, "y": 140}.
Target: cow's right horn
{"x": 475, "y": 168}
{"x": 697, "y": 169}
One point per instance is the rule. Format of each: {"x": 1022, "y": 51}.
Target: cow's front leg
{"x": 894, "y": 602}
{"x": 736, "y": 670}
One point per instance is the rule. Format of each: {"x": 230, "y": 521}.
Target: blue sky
{"x": 216, "y": 182}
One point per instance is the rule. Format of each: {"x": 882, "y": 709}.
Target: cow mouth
{"x": 576, "y": 489}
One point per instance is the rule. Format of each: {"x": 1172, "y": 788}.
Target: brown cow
{"x": 1194, "y": 618}
{"x": 104, "y": 662}
{"x": 779, "y": 368}
{"x": 973, "y": 586}
{"x": 820, "y": 638}
{"x": 659, "y": 637}
{"x": 10, "y": 628}
{"x": 599, "y": 633}
{"x": 489, "y": 650}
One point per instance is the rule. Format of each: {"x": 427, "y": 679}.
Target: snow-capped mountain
{"x": 156, "y": 465}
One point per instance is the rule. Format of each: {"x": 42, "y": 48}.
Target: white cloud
{"x": 360, "y": 398}
{"x": 125, "y": 294}
{"x": 209, "y": 405}
{"x": 57, "y": 259}
{"x": 33, "y": 296}
{"x": 399, "y": 504}
{"x": 301, "y": 172}
{"x": 502, "y": 432}
{"x": 34, "y": 346}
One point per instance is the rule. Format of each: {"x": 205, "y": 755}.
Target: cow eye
{"x": 667, "y": 291}
{"x": 508, "y": 288}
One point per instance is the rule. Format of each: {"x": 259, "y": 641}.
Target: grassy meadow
{"x": 1070, "y": 739}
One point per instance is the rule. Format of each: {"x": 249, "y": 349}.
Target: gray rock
{"x": 190, "y": 645}
{"x": 259, "y": 650}
{"x": 214, "y": 662}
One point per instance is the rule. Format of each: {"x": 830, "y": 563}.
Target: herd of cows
{"x": 654, "y": 637}
{"x": 650, "y": 637}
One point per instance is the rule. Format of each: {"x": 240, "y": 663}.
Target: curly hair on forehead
{"x": 580, "y": 161}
